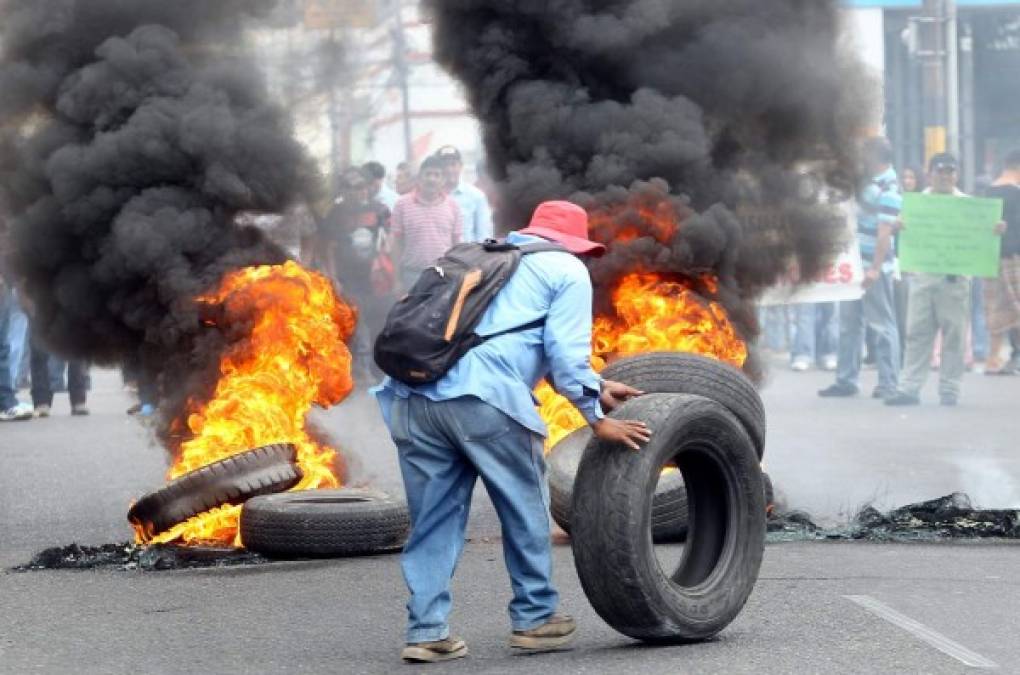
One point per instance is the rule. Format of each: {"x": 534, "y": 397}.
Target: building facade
{"x": 951, "y": 77}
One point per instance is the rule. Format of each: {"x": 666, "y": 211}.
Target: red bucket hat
{"x": 566, "y": 224}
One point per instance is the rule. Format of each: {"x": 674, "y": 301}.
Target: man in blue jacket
{"x": 480, "y": 420}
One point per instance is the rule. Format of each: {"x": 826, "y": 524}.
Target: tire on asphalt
{"x": 682, "y": 373}
{"x": 613, "y": 551}
{"x": 229, "y": 481}
{"x": 325, "y": 523}
{"x": 669, "y": 508}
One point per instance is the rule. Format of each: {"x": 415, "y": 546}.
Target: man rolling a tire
{"x": 480, "y": 419}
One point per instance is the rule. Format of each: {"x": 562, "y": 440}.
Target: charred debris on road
{"x": 950, "y": 517}
{"x": 128, "y": 556}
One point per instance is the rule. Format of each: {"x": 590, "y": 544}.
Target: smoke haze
{"x": 717, "y": 100}
{"x": 133, "y": 132}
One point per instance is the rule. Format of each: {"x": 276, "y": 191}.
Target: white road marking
{"x": 919, "y": 630}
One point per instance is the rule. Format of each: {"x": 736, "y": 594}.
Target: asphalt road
{"x": 818, "y": 607}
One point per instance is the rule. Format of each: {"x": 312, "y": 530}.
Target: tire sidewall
{"x": 643, "y": 602}
{"x": 713, "y": 604}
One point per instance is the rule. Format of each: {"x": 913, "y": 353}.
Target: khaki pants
{"x": 936, "y": 303}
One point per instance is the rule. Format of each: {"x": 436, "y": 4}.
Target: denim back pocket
{"x": 400, "y": 420}
{"x": 479, "y": 421}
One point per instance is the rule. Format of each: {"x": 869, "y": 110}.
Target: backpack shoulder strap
{"x": 541, "y": 246}
{"x": 537, "y": 323}
{"x": 502, "y": 245}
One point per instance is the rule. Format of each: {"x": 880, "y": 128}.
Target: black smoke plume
{"x": 131, "y": 134}
{"x": 703, "y": 108}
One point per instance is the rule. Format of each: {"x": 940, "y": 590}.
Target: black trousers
{"x": 78, "y": 380}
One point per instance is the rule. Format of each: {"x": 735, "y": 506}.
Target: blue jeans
{"x": 48, "y": 377}
{"x": 876, "y": 310}
{"x": 816, "y": 333}
{"x": 772, "y": 320}
{"x": 8, "y": 399}
{"x": 444, "y": 446}
{"x": 17, "y": 339}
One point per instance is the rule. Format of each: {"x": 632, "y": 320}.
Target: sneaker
{"x": 79, "y": 409}
{"x": 830, "y": 363}
{"x": 901, "y": 399}
{"x": 42, "y": 410}
{"x": 556, "y": 632}
{"x": 948, "y": 400}
{"x": 801, "y": 364}
{"x": 883, "y": 393}
{"x": 16, "y": 413}
{"x": 431, "y": 652}
{"x": 839, "y": 390}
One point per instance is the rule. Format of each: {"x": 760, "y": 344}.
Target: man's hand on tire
{"x": 615, "y": 393}
{"x": 628, "y": 432}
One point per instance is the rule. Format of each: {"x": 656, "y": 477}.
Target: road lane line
{"x": 919, "y": 630}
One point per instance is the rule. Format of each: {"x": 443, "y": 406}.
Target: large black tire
{"x": 325, "y": 523}
{"x": 229, "y": 481}
{"x": 669, "y": 508}
{"x": 681, "y": 373}
{"x": 613, "y": 552}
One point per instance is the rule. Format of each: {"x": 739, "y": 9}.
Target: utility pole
{"x": 968, "y": 149}
{"x": 331, "y": 73}
{"x": 401, "y": 69}
{"x": 939, "y": 56}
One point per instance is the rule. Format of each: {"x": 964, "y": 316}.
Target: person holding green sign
{"x": 937, "y": 302}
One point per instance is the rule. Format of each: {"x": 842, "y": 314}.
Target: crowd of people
{"x": 26, "y": 364}
{"x": 375, "y": 238}
{"x": 908, "y": 324}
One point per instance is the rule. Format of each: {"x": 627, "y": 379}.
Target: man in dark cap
{"x": 426, "y": 222}
{"x": 938, "y": 303}
{"x": 474, "y": 205}
{"x": 480, "y": 420}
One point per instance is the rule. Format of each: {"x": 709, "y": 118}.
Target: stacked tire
{"x": 669, "y": 505}
{"x": 708, "y": 422}
{"x": 662, "y": 373}
{"x": 276, "y": 522}
{"x": 230, "y": 481}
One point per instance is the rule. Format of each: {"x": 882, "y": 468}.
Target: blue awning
{"x": 897, "y": 4}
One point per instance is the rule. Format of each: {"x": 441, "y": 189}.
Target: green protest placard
{"x": 944, "y": 234}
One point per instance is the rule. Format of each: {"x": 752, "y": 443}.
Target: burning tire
{"x": 681, "y": 373}
{"x": 325, "y": 523}
{"x": 669, "y": 506}
{"x": 229, "y": 481}
{"x": 613, "y": 552}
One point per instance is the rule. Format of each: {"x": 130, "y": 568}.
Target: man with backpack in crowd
{"x": 478, "y": 418}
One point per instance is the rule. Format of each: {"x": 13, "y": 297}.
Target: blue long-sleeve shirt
{"x": 504, "y": 370}
{"x": 475, "y": 212}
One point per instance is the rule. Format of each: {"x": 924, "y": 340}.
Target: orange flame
{"x": 651, "y": 314}
{"x": 293, "y": 356}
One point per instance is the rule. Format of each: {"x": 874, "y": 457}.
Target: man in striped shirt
{"x": 879, "y": 205}
{"x": 425, "y": 224}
